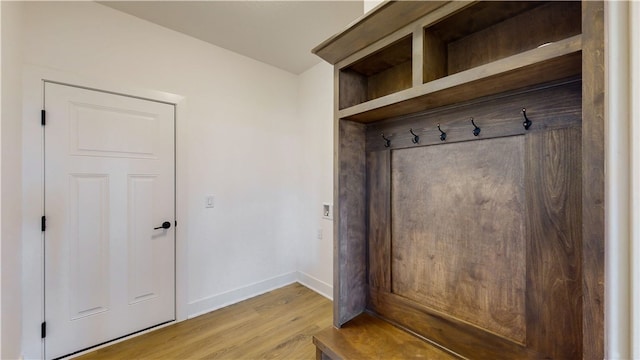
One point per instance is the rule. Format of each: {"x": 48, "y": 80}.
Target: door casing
{"x": 33, "y": 198}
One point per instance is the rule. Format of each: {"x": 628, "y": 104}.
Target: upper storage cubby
{"x": 454, "y": 52}
{"x": 381, "y": 73}
{"x": 489, "y": 31}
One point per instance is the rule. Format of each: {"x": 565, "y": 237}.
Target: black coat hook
{"x": 443, "y": 135}
{"x": 476, "y": 130}
{"x": 416, "y": 138}
{"x": 387, "y": 142}
{"x": 527, "y": 122}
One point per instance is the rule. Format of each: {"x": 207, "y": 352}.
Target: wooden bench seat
{"x": 368, "y": 337}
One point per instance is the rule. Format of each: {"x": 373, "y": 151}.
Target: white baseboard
{"x": 208, "y": 304}
{"x": 316, "y": 285}
{"x": 215, "y": 302}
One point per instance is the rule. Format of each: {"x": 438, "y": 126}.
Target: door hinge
{"x": 43, "y": 330}
{"x": 43, "y": 117}
{"x": 43, "y": 223}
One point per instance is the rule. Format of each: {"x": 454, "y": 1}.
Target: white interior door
{"x": 109, "y": 181}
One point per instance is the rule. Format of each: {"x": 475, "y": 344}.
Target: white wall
{"x": 256, "y": 137}
{"x": 240, "y": 142}
{"x": 371, "y": 4}
{"x": 315, "y": 110}
{"x": 11, "y": 180}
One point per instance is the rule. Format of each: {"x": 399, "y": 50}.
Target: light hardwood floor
{"x": 275, "y": 325}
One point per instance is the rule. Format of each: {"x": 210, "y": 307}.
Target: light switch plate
{"x": 327, "y": 211}
{"x": 209, "y": 201}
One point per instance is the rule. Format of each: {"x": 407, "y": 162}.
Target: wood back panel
{"x": 455, "y": 335}
{"x": 505, "y": 38}
{"x": 480, "y": 16}
{"x": 554, "y": 231}
{"x": 388, "y": 57}
{"x": 483, "y": 239}
{"x": 497, "y": 116}
{"x": 435, "y": 57}
{"x": 457, "y": 229}
{"x": 390, "y": 81}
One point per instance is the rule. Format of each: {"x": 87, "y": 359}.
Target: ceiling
{"x": 279, "y": 33}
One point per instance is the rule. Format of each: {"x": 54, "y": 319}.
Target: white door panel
{"x": 109, "y": 181}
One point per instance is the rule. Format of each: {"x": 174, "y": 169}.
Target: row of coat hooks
{"x": 443, "y": 135}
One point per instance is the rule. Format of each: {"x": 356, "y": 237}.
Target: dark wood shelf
{"x": 490, "y": 31}
{"x": 555, "y": 61}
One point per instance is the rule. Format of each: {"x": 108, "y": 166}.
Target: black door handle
{"x": 165, "y": 225}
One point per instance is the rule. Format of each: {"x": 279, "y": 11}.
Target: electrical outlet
{"x": 319, "y": 235}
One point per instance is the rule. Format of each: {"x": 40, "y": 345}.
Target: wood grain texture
{"x": 350, "y": 257}
{"x": 553, "y": 273}
{"x": 353, "y": 88}
{"x": 481, "y": 55}
{"x": 276, "y": 325}
{"x": 320, "y": 355}
{"x": 397, "y": 53}
{"x": 414, "y": 27}
{"x": 547, "y": 23}
{"x": 552, "y": 106}
{"x": 382, "y": 73}
{"x": 379, "y": 225}
{"x": 392, "y": 80}
{"x": 458, "y": 231}
{"x": 563, "y": 166}
{"x": 373, "y": 26}
{"x": 559, "y": 60}
{"x": 553, "y": 296}
{"x": 480, "y": 15}
{"x": 367, "y": 337}
{"x": 435, "y": 57}
{"x": 593, "y": 196}
{"x": 459, "y": 337}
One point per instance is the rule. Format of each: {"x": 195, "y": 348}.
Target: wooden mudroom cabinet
{"x": 469, "y": 176}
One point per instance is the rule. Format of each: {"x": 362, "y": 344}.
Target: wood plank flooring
{"x": 276, "y": 325}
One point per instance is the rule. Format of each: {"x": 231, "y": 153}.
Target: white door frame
{"x": 33, "y": 196}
